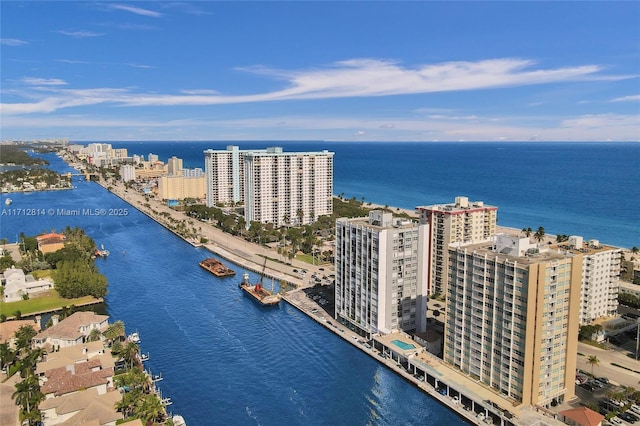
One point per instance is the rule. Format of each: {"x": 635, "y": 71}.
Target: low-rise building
{"x": 49, "y": 243}
{"x": 17, "y": 284}
{"x": 73, "y": 330}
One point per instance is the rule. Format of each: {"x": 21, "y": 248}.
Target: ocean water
{"x": 588, "y": 189}
{"x": 224, "y": 360}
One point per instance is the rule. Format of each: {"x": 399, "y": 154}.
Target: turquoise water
{"x": 587, "y": 189}
{"x": 402, "y": 345}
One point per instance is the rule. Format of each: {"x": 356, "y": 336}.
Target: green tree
{"x": 539, "y": 235}
{"x": 27, "y": 395}
{"x": 94, "y": 335}
{"x": 592, "y": 361}
{"x": 114, "y": 331}
{"x": 150, "y": 409}
{"x": 130, "y": 353}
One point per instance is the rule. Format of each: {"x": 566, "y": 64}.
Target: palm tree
{"x": 539, "y": 235}
{"x": 150, "y": 408}
{"x": 7, "y": 356}
{"x": 300, "y": 214}
{"x": 28, "y": 396}
{"x": 94, "y": 335}
{"x": 114, "y": 331}
{"x": 130, "y": 352}
{"x": 593, "y": 360}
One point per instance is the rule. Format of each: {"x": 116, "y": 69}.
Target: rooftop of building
{"x": 75, "y": 377}
{"x": 460, "y": 205}
{"x": 578, "y": 246}
{"x": 529, "y": 254}
{"x": 69, "y": 328}
{"x": 91, "y": 408}
{"x": 378, "y": 219}
{"x": 583, "y": 416}
{"x": 8, "y": 328}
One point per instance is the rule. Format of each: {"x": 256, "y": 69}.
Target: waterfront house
{"x": 77, "y": 377}
{"x": 17, "y": 284}
{"x": 51, "y": 242}
{"x": 81, "y": 408}
{"x": 76, "y": 354}
{"x": 73, "y": 330}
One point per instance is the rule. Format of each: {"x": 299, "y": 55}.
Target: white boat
{"x": 178, "y": 421}
{"x": 134, "y": 337}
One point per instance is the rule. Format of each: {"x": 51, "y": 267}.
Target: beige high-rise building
{"x": 462, "y": 221}
{"x": 180, "y": 187}
{"x": 512, "y": 314}
{"x": 380, "y": 283}
{"x": 174, "y": 166}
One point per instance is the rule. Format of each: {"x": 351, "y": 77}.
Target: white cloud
{"x": 137, "y": 10}
{"x": 12, "y": 42}
{"x": 32, "y": 81}
{"x": 356, "y": 78}
{"x": 631, "y": 98}
{"x": 80, "y": 34}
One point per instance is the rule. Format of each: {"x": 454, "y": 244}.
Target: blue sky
{"x": 352, "y": 70}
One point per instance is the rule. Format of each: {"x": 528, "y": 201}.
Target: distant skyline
{"x": 304, "y": 70}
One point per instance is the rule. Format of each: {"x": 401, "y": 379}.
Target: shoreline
{"x": 236, "y": 250}
{"x": 252, "y": 257}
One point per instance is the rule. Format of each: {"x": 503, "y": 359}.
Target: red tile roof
{"x": 75, "y": 377}
{"x": 583, "y": 416}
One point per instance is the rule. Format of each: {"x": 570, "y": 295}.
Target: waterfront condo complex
{"x": 381, "y": 286}
{"x": 600, "y": 277}
{"x": 283, "y": 188}
{"x": 461, "y": 221}
{"x": 512, "y": 317}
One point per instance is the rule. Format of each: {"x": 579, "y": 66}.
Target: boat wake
{"x": 252, "y": 416}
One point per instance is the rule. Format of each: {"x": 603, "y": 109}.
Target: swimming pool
{"x": 402, "y": 345}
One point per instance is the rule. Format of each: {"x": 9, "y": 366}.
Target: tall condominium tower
{"x": 380, "y": 282}
{"x": 600, "y": 277}
{"x": 224, "y": 170}
{"x": 462, "y": 221}
{"x": 174, "y": 166}
{"x": 283, "y": 188}
{"x": 287, "y": 187}
{"x": 512, "y": 318}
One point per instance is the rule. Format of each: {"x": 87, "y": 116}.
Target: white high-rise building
{"x": 127, "y": 172}
{"x": 224, "y": 170}
{"x": 381, "y": 285}
{"x": 287, "y": 187}
{"x": 462, "y": 221}
{"x": 283, "y": 188}
{"x": 600, "y": 277}
{"x": 512, "y": 314}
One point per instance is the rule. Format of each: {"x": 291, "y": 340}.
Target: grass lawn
{"x": 309, "y": 259}
{"x": 48, "y": 301}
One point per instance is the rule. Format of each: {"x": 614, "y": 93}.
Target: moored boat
{"x": 216, "y": 267}
{"x": 258, "y": 293}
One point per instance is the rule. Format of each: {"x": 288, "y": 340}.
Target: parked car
{"x": 616, "y": 421}
{"x": 635, "y": 408}
{"x": 628, "y": 417}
